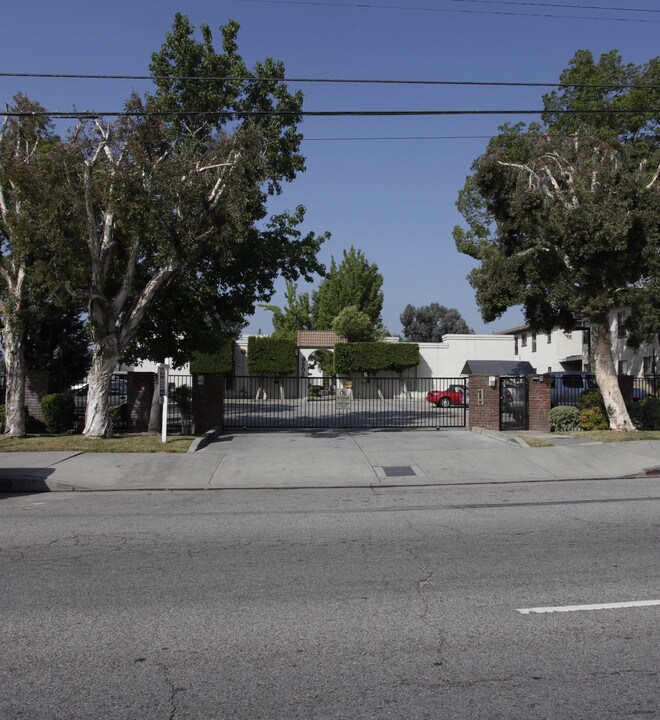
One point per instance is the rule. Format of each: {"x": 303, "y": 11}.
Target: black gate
{"x": 514, "y": 403}
{"x": 358, "y": 402}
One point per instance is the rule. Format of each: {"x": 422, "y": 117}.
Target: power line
{"x": 72, "y": 114}
{"x": 556, "y": 5}
{"x": 339, "y": 81}
{"x": 367, "y": 6}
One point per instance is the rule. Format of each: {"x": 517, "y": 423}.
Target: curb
{"x": 202, "y": 441}
{"x": 497, "y": 435}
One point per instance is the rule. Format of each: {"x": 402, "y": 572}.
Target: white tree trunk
{"x": 97, "y": 412}
{"x": 14, "y": 351}
{"x": 606, "y": 376}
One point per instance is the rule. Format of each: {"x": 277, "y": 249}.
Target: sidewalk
{"x": 329, "y": 458}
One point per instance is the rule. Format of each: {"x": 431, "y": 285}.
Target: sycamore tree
{"x": 32, "y": 223}
{"x": 176, "y": 243}
{"x": 564, "y": 216}
{"x": 430, "y": 323}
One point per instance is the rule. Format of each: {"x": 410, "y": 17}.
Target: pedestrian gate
{"x": 514, "y": 403}
{"x": 358, "y": 402}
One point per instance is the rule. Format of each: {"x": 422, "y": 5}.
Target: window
{"x": 515, "y": 344}
{"x": 549, "y": 338}
{"x": 620, "y": 324}
{"x": 573, "y": 381}
{"x": 533, "y": 342}
{"x": 621, "y": 369}
{"x": 523, "y": 339}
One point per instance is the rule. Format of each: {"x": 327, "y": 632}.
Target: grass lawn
{"x": 597, "y": 436}
{"x": 120, "y": 443}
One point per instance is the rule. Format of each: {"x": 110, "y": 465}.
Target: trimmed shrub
{"x": 221, "y": 361}
{"x": 564, "y": 418}
{"x": 594, "y": 418}
{"x": 374, "y": 356}
{"x": 59, "y": 412}
{"x": 271, "y": 356}
{"x": 592, "y": 399}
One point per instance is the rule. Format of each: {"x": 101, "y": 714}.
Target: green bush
{"x": 564, "y": 418}
{"x": 594, "y": 418}
{"x": 58, "y": 410}
{"x": 271, "y": 356}
{"x": 375, "y": 356}
{"x": 645, "y": 414}
{"x": 592, "y": 399}
{"x": 221, "y": 361}
{"x": 117, "y": 417}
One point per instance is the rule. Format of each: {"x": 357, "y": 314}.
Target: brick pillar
{"x": 486, "y": 414}
{"x": 539, "y": 404}
{"x": 208, "y": 402}
{"x": 626, "y": 387}
{"x": 36, "y": 388}
{"x": 140, "y": 391}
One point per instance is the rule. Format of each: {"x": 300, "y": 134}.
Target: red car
{"x": 453, "y": 395}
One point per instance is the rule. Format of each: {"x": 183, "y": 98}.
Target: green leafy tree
{"x": 33, "y": 224}
{"x": 354, "y": 325}
{"x": 355, "y": 281}
{"x": 430, "y": 323}
{"x": 294, "y": 316}
{"x": 564, "y": 218}
{"x": 176, "y": 244}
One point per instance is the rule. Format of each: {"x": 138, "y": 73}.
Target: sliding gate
{"x": 302, "y": 402}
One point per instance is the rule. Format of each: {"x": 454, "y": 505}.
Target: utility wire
{"x": 70, "y": 114}
{"x": 339, "y": 81}
{"x": 367, "y": 6}
{"x": 556, "y": 5}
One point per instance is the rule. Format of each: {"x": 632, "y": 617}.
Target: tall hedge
{"x": 271, "y": 356}
{"x": 375, "y": 356}
{"x": 221, "y": 361}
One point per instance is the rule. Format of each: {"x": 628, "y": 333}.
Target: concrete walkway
{"x": 330, "y": 458}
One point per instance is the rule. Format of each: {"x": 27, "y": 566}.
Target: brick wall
{"x": 140, "y": 392}
{"x": 208, "y": 402}
{"x": 36, "y": 388}
{"x": 539, "y": 404}
{"x": 488, "y": 414}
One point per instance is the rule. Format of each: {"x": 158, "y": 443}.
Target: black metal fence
{"x": 303, "y": 402}
{"x": 644, "y": 387}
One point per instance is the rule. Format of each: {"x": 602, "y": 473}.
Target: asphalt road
{"x": 393, "y": 603}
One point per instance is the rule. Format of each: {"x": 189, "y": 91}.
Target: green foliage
{"x": 221, "y": 361}
{"x": 564, "y": 418}
{"x": 272, "y": 356}
{"x": 645, "y": 414}
{"x": 563, "y": 218}
{"x": 354, "y": 325}
{"x": 58, "y": 410}
{"x": 183, "y": 397}
{"x": 117, "y": 414}
{"x": 294, "y": 316}
{"x": 592, "y": 399}
{"x": 593, "y": 418}
{"x": 354, "y": 282}
{"x": 430, "y": 323}
{"x": 375, "y": 356}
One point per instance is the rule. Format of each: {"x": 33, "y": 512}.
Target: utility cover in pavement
{"x": 398, "y": 471}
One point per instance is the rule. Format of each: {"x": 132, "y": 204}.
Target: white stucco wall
{"x": 548, "y": 356}
{"x": 446, "y": 359}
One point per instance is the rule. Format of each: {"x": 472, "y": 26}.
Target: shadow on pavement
{"x": 22, "y": 480}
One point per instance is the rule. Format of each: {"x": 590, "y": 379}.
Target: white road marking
{"x": 600, "y": 606}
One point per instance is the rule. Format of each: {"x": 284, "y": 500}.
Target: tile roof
{"x": 318, "y": 339}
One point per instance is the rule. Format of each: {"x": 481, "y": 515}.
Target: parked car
{"x": 453, "y": 395}
{"x": 567, "y": 387}
{"x": 117, "y": 395}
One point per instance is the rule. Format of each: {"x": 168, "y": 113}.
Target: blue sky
{"x": 392, "y": 198}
